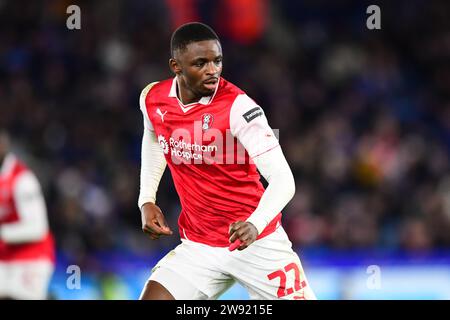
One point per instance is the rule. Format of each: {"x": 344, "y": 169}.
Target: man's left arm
{"x": 274, "y": 168}
{"x": 30, "y": 204}
{"x": 249, "y": 124}
{"x": 281, "y": 188}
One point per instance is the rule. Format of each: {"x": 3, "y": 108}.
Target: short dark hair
{"x": 190, "y": 32}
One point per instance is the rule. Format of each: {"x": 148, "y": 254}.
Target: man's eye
{"x": 199, "y": 64}
{"x": 218, "y": 61}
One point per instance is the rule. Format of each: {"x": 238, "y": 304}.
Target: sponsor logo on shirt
{"x": 183, "y": 149}
{"x": 163, "y": 143}
{"x": 252, "y": 114}
{"x": 212, "y": 146}
{"x": 159, "y": 113}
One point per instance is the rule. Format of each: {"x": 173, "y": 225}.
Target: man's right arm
{"x": 153, "y": 165}
{"x": 153, "y": 162}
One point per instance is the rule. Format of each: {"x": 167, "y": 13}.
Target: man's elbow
{"x": 24, "y": 234}
{"x": 290, "y": 186}
{"x": 38, "y": 234}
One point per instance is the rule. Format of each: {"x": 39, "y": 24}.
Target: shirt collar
{"x": 204, "y": 100}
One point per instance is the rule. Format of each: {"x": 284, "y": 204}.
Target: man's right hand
{"x": 153, "y": 222}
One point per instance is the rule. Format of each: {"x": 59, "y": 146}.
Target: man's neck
{"x": 185, "y": 95}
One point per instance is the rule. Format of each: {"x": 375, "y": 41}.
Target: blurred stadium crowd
{"x": 364, "y": 115}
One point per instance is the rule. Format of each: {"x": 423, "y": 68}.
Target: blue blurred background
{"x": 364, "y": 120}
{"x": 333, "y": 275}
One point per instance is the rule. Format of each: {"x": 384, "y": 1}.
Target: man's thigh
{"x": 191, "y": 272}
{"x": 270, "y": 269}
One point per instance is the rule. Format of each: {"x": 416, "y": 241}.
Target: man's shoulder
{"x": 228, "y": 87}
{"x": 17, "y": 169}
{"x": 12, "y": 165}
{"x": 156, "y": 88}
{"x": 239, "y": 98}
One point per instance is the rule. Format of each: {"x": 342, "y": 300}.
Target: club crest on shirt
{"x": 207, "y": 120}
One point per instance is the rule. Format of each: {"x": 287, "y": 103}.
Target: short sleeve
{"x": 147, "y": 123}
{"x": 250, "y": 126}
{"x": 32, "y": 224}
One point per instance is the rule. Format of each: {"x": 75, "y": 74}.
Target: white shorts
{"x": 268, "y": 269}
{"x": 25, "y": 280}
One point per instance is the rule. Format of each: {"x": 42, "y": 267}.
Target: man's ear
{"x": 175, "y": 66}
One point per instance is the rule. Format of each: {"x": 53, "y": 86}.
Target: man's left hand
{"x": 244, "y": 231}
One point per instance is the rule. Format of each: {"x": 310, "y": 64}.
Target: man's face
{"x": 199, "y": 66}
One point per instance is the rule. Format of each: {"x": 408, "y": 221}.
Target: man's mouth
{"x": 211, "y": 83}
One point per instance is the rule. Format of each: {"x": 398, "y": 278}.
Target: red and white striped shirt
{"x": 24, "y": 231}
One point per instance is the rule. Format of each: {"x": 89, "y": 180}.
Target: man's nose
{"x": 212, "y": 68}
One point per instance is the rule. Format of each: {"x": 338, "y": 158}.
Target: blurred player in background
{"x": 26, "y": 244}
{"x": 188, "y": 123}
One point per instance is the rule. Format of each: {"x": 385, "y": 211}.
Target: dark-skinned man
{"x": 214, "y": 138}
